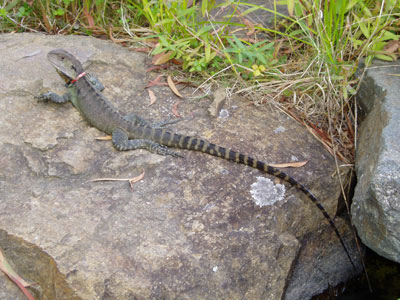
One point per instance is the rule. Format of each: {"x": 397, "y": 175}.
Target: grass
{"x": 304, "y": 64}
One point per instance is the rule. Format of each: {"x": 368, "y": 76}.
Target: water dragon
{"x": 131, "y": 132}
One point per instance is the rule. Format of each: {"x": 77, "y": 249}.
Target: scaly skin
{"x": 132, "y": 132}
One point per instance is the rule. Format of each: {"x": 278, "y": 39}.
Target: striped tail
{"x": 192, "y": 143}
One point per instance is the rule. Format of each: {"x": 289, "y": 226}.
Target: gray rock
{"x": 376, "y": 202}
{"x": 262, "y": 17}
{"x": 191, "y": 228}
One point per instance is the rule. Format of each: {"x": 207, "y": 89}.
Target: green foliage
{"x": 167, "y": 16}
{"x": 344, "y": 28}
{"x": 250, "y": 54}
{"x": 340, "y": 32}
{"x": 183, "y": 34}
{"x": 179, "y": 31}
{"x": 337, "y": 30}
{"x": 24, "y": 10}
{"x": 58, "y": 15}
{"x": 374, "y": 24}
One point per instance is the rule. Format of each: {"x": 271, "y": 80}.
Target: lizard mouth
{"x": 64, "y": 76}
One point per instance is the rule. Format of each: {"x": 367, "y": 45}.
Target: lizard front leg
{"x": 53, "y": 97}
{"x": 122, "y": 143}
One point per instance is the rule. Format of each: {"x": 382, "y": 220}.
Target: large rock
{"x": 376, "y": 202}
{"x": 192, "y": 228}
{"x": 263, "y": 16}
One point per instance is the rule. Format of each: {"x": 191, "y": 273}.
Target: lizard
{"x": 130, "y": 132}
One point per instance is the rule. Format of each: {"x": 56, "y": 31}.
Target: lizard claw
{"x": 162, "y": 150}
{"x": 42, "y": 97}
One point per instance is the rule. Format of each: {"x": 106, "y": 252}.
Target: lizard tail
{"x": 192, "y": 143}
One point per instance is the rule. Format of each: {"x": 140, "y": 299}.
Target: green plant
{"x": 250, "y": 54}
{"x": 343, "y": 30}
{"x": 374, "y": 24}
{"x": 171, "y": 17}
{"x": 59, "y": 15}
{"x": 181, "y": 33}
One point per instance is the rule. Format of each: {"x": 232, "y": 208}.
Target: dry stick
{"x": 130, "y": 180}
{"x": 20, "y": 24}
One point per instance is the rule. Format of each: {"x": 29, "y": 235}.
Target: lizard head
{"x": 65, "y": 64}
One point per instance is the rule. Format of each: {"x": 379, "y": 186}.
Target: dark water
{"x": 384, "y": 276}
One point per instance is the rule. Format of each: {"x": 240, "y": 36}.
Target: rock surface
{"x": 261, "y": 17}
{"x": 376, "y": 202}
{"x": 191, "y": 228}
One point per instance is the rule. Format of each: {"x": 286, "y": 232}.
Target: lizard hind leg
{"x": 161, "y": 124}
{"x": 122, "y": 143}
{"x": 138, "y": 120}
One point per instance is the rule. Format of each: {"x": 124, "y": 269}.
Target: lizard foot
{"x": 122, "y": 143}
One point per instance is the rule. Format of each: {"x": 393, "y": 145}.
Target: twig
{"x": 130, "y": 180}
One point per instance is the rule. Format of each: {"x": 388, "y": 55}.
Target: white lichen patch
{"x": 279, "y": 129}
{"x": 265, "y": 192}
{"x": 223, "y": 114}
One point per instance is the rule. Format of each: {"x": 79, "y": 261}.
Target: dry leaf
{"x": 391, "y": 47}
{"x": 297, "y": 164}
{"x": 175, "y": 109}
{"x": 110, "y": 35}
{"x": 156, "y": 81}
{"x": 21, "y": 283}
{"x": 88, "y": 17}
{"x": 104, "y": 138}
{"x": 120, "y": 41}
{"x": 250, "y": 26}
{"x": 249, "y": 39}
{"x": 153, "y": 68}
{"x": 162, "y": 58}
{"x": 177, "y": 61}
{"x": 173, "y": 87}
{"x": 142, "y": 49}
{"x": 153, "y": 97}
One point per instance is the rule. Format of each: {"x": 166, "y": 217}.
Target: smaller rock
{"x": 218, "y": 103}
